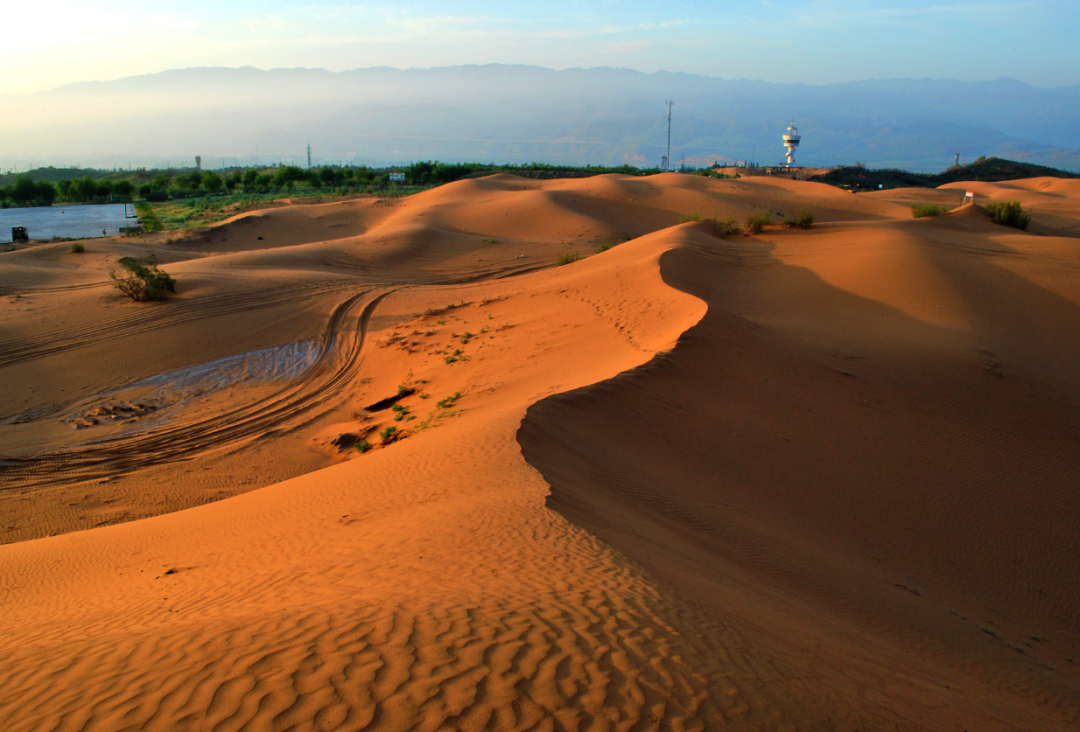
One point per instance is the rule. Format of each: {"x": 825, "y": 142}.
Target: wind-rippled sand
{"x": 800, "y": 480}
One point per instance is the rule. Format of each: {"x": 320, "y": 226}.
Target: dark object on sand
{"x": 19, "y": 233}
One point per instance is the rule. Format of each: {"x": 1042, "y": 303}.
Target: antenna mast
{"x": 667, "y": 158}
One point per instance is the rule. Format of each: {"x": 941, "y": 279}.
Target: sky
{"x": 49, "y": 44}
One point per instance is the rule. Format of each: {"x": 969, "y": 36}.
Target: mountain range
{"x": 507, "y": 113}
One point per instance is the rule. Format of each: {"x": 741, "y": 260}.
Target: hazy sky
{"x": 48, "y": 44}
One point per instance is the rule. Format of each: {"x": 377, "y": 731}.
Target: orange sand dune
{"x": 810, "y": 479}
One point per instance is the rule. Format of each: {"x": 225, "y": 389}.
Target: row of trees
{"x": 163, "y": 186}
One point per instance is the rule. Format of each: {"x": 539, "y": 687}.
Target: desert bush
{"x": 448, "y": 401}
{"x": 362, "y": 446}
{"x": 802, "y": 219}
{"x": 922, "y": 210}
{"x": 568, "y": 258}
{"x": 757, "y": 221}
{"x": 77, "y": 248}
{"x": 388, "y": 434}
{"x": 1007, "y": 213}
{"x": 727, "y": 227}
{"x": 603, "y": 248}
{"x": 695, "y": 216}
{"x": 143, "y": 281}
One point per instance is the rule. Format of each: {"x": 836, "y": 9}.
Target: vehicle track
{"x": 337, "y": 363}
{"x": 162, "y": 315}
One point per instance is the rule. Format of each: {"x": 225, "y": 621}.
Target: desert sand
{"x": 821, "y": 479}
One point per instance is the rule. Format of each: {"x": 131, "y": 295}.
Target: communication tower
{"x": 667, "y": 158}
{"x": 791, "y": 141}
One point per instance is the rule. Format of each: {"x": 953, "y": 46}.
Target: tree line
{"x": 26, "y": 191}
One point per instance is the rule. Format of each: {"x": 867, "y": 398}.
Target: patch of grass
{"x": 403, "y": 390}
{"x": 148, "y": 218}
{"x": 362, "y": 446}
{"x": 465, "y": 337}
{"x": 603, "y": 248}
{"x": 728, "y": 227}
{"x": 425, "y": 395}
{"x": 400, "y": 412}
{"x": 143, "y": 281}
{"x": 450, "y": 359}
{"x": 448, "y": 401}
{"x": 1008, "y": 213}
{"x": 801, "y": 219}
{"x": 695, "y": 216}
{"x": 922, "y": 210}
{"x": 77, "y": 248}
{"x": 568, "y": 258}
{"x": 388, "y": 434}
{"x": 757, "y": 221}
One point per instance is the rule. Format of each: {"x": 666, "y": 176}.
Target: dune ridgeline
{"x": 382, "y": 465}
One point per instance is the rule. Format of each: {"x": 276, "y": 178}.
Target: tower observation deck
{"x": 791, "y": 141}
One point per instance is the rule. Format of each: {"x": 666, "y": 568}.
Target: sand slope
{"x": 843, "y": 500}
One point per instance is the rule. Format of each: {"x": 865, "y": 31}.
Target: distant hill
{"x": 990, "y": 170}
{"x": 520, "y": 114}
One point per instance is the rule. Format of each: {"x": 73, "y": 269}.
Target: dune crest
{"x": 808, "y": 479}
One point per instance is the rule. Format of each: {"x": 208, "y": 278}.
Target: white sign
{"x": 969, "y": 197}
{"x": 397, "y": 177}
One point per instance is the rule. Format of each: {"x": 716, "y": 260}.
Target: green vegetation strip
{"x": 147, "y": 218}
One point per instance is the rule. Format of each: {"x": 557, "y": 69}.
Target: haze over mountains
{"x": 502, "y": 113}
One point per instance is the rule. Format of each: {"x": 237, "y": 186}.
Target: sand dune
{"x": 802, "y": 480}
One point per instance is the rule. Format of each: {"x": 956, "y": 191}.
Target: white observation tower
{"x": 791, "y": 141}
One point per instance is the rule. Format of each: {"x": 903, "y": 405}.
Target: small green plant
{"x": 1008, "y": 213}
{"x": 603, "y": 248}
{"x": 448, "y": 401}
{"x": 802, "y": 219}
{"x": 450, "y": 359}
{"x": 388, "y": 434}
{"x": 77, "y": 248}
{"x": 568, "y": 258}
{"x": 695, "y": 216}
{"x": 362, "y": 446}
{"x": 425, "y": 395}
{"x": 144, "y": 281}
{"x": 757, "y": 221}
{"x": 922, "y": 210}
{"x": 400, "y": 412}
{"x": 403, "y": 391}
{"x": 727, "y": 227}
{"x": 466, "y": 336}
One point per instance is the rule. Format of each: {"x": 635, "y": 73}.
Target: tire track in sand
{"x": 335, "y": 365}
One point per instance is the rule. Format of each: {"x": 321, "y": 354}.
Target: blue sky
{"x": 810, "y": 41}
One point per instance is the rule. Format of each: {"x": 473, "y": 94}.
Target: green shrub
{"x": 757, "y": 221}
{"x": 568, "y": 258}
{"x": 922, "y": 210}
{"x": 695, "y": 216}
{"x": 448, "y": 401}
{"x": 603, "y": 248}
{"x": 1007, "y": 213}
{"x": 388, "y": 434}
{"x": 802, "y": 219}
{"x": 148, "y": 218}
{"x": 362, "y": 446}
{"x": 143, "y": 281}
{"x": 77, "y": 248}
{"x": 727, "y": 227}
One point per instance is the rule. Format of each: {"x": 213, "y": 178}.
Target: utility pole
{"x": 667, "y": 158}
